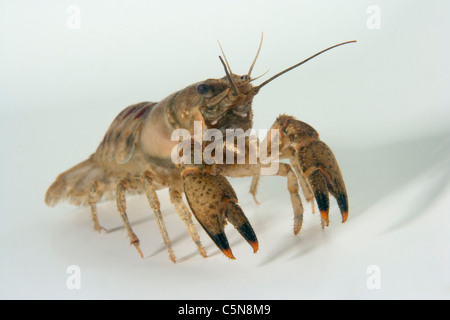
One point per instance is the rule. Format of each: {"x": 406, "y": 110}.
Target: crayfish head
{"x": 226, "y": 104}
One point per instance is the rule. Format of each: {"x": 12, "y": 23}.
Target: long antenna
{"x": 299, "y": 64}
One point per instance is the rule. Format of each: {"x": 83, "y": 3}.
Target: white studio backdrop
{"x": 67, "y": 68}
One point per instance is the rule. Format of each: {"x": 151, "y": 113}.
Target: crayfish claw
{"x": 322, "y": 171}
{"x": 238, "y": 219}
{"x": 221, "y": 241}
{"x": 319, "y": 186}
{"x": 213, "y": 202}
{"x": 316, "y": 164}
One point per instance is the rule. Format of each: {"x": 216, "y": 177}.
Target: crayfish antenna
{"x": 300, "y": 63}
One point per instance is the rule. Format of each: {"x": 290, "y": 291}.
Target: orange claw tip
{"x": 344, "y": 216}
{"x": 228, "y": 253}
{"x": 255, "y": 246}
{"x": 324, "y": 215}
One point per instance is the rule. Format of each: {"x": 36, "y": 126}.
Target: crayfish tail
{"x": 74, "y": 184}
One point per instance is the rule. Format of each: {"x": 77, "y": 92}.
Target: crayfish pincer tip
{"x": 228, "y": 253}
{"x": 324, "y": 214}
{"x": 344, "y": 216}
{"x": 255, "y": 246}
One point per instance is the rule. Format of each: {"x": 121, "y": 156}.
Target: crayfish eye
{"x": 203, "y": 88}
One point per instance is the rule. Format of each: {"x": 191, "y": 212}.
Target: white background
{"x": 382, "y": 105}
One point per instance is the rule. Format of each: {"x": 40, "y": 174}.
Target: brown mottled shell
{"x": 119, "y": 141}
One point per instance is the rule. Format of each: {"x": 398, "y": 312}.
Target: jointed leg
{"x": 285, "y": 170}
{"x": 185, "y": 215}
{"x": 154, "y": 204}
{"x": 121, "y": 206}
{"x": 254, "y": 187}
{"x": 94, "y": 195}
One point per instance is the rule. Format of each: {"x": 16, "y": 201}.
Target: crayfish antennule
{"x": 224, "y": 56}
{"x": 233, "y": 86}
{"x": 256, "y": 57}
